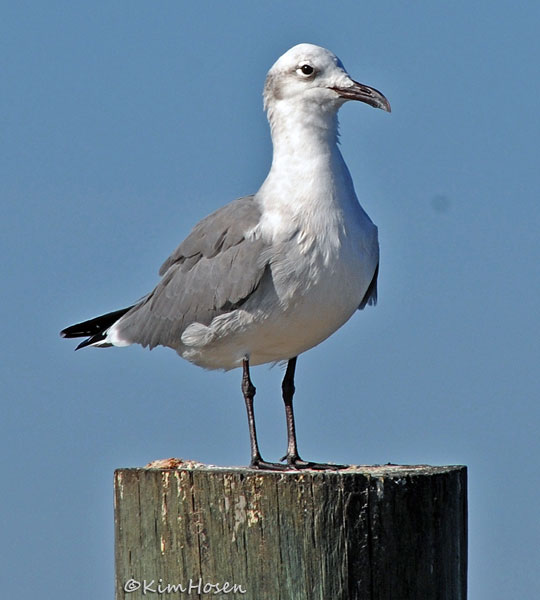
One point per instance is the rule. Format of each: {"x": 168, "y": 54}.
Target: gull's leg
{"x": 288, "y": 389}
{"x": 292, "y": 457}
{"x": 248, "y": 390}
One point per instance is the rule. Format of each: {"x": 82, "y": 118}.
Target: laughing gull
{"x": 272, "y": 275}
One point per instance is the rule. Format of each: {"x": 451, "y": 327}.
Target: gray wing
{"x": 370, "y": 297}
{"x": 213, "y": 271}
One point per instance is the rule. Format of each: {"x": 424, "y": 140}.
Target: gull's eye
{"x": 307, "y": 70}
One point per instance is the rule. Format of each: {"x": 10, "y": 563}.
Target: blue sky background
{"x": 123, "y": 123}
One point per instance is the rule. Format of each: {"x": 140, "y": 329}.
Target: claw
{"x": 263, "y": 465}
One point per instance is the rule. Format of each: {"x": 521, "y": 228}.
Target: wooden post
{"x": 384, "y": 532}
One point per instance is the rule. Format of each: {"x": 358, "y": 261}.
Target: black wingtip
{"x": 94, "y": 328}
{"x": 90, "y": 341}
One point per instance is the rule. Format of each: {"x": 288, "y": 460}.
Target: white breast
{"x": 320, "y": 269}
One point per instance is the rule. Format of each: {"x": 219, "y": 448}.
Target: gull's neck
{"x": 303, "y": 133}
{"x": 307, "y": 166}
{"x": 309, "y": 188}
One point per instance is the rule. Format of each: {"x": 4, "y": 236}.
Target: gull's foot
{"x": 263, "y": 465}
{"x": 295, "y": 462}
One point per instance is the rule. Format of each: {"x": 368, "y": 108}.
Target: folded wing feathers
{"x": 218, "y": 231}
{"x": 210, "y": 273}
{"x": 370, "y": 297}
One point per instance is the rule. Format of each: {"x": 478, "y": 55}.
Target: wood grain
{"x": 383, "y": 532}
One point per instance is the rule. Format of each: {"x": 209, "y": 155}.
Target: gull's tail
{"x": 96, "y": 328}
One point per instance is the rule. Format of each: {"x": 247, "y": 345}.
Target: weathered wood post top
{"x": 378, "y": 532}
